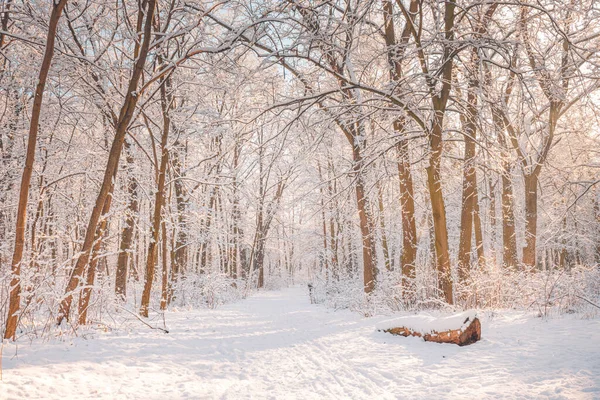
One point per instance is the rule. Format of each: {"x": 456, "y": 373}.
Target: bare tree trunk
{"x": 259, "y": 260}
{"x": 469, "y": 191}
{"x": 333, "y": 210}
{"x": 409, "y": 228}
{"x": 125, "y": 246}
{"x": 159, "y": 200}
{"x": 384, "y": 243}
{"x": 164, "y": 298}
{"x": 323, "y": 223}
{"x": 15, "y": 283}
{"x": 409, "y": 231}
{"x": 181, "y": 245}
{"x": 509, "y": 239}
{"x": 86, "y": 293}
{"x": 468, "y": 209}
{"x": 236, "y": 215}
{"x": 205, "y": 245}
{"x": 478, "y": 231}
{"x": 366, "y": 223}
{"x": 529, "y": 251}
{"x": 438, "y": 210}
{"x": 470, "y": 202}
{"x": 4, "y": 21}
{"x": 125, "y": 116}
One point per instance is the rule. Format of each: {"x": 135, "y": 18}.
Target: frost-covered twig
{"x": 144, "y": 322}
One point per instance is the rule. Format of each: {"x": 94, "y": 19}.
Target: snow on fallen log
{"x": 461, "y": 329}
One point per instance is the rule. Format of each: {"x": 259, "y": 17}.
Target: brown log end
{"x": 468, "y": 334}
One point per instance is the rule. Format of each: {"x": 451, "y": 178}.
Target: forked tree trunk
{"x": 125, "y": 116}
{"x": 15, "y": 283}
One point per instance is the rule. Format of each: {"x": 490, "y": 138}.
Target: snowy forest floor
{"x": 277, "y": 345}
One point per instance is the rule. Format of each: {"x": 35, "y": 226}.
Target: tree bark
{"x": 164, "y": 298}
{"x": 438, "y": 209}
{"x": 366, "y": 223}
{"x": 21, "y": 225}
{"x": 509, "y": 239}
{"x": 126, "y": 245}
{"x": 409, "y": 227}
{"x": 159, "y": 199}
{"x": 86, "y": 293}
{"x": 469, "y": 189}
{"x": 181, "y": 245}
{"x": 384, "y": 243}
{"x": 529, "y": 251}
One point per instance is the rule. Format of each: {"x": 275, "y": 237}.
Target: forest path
{"x": 276, "y": 345}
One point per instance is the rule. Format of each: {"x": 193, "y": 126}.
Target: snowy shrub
{"x": 207, "y": 290}
{"x": 551, "y": 292}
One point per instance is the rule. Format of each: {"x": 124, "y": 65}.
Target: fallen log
{"x": 466, "y": 329}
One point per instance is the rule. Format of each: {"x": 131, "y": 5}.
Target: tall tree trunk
{"x": 366, "y": 222}
{"x": 596, "y": 202}
{"x": 334, "y": 214}
{"x": 384, "y": 243}
{"x": 259, "y": 260}
{"x": 236, "y": 215}
{"x": 529, "y": 251}
{"x": 125, "y": 247}
{"x": 86, "y": 293}
{"x": 323, "y": 223}
{"x": 15, "y": 283}
{"x": 159, "y": 199}
{"x": 491, "y": 188}
{"x": 438, "y": 209}
{"x": 205, "y": 245}
{"x": 125, "y": 116}
{"x": 470, "y": 205}
{"x": 468, "y": 209}
{"x": 409, "y": 227}
{"x": 434, "y": 175}
{"x": 470, "y": 202}
{"x": 181, "y": 245}
{"x": 409, "y": 231}
{"x": 509, "y": 238}
{"x": 478, "y": 230}
{"x": 164, "y": 298}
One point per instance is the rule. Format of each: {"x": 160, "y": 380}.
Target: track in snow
{"x": 276, "y": 345}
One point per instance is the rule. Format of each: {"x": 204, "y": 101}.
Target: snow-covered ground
{"x": 276, "y": 345}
